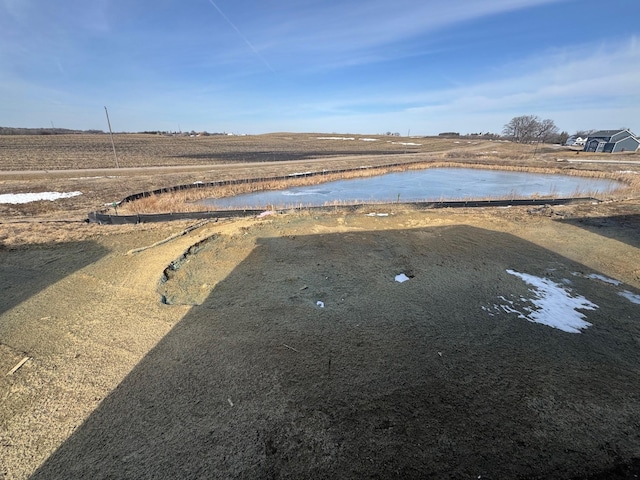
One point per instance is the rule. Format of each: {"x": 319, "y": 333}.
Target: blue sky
{"x": 347, "y": 66}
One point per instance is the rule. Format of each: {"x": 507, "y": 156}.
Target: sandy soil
{"x": 208, "y": 356}
{"x": 243, "y": 375}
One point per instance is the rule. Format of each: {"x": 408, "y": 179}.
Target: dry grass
{"x": 87, "y": 151}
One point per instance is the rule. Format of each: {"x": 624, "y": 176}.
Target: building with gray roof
{"x": 612, "y": 141}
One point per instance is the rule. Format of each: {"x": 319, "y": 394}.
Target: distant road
{"x": 160, "y": 170}
{"x": 130, "y": 171}
{"x": 103, "y": 172}
{"x": 588, "y": 160}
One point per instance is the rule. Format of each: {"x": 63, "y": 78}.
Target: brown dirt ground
{"x": 240, "y": 374}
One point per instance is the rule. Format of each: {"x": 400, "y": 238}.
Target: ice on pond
{"x": 435, "y": 184}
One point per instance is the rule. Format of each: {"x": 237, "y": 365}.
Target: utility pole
{"x": 111, "y": 135}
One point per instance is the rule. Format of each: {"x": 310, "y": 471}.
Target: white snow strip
{"x": 369, "y": 139}
{"x": 407, "y": 143}
{"x": 554, "y": 306}
{"x": 266, "y": 213}
{"x": 401, "y": 278}
{"x": 335, "y": 138}
{"x": 15, "y": 198}
{"x": 602, "y": 278}
{"x": 632, "y": 297}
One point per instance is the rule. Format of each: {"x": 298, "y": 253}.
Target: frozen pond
{"x": 435, "y": 184}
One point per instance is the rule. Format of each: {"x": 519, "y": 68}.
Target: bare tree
{"x": 583, "y": 133}
{"x": 529, "y": 129}
{"x": 521, "y": 129}
{"x": 546, "y": 130}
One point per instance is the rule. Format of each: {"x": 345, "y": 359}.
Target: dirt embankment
{"x": 246, "y": 375}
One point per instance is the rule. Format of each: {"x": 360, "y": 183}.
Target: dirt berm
{"x": 283, "y": 347}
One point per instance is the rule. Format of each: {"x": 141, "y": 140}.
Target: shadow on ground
{"x": 24, "y": 273}
{"x": 387, "y": 380}
{"x": 625, "y": 228}
{"x": 282, "y": 156}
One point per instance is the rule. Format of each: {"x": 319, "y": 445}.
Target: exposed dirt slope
{"x": 244, "y": 375}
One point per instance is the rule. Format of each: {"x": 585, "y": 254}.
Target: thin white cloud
{"x": 587, "y": 86}
{"x": 354, "y": 26}
{"x": 241, "y": 35}
{"x": 590, "y": 76}
{"x": 553, "y": 77}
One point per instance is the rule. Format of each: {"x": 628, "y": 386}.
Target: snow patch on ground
{"x": 602, "y": 278}
{"x": 552, "y": 305}
{"x": 15, "y": 198}
{"x": 632, "y": 297}
{"x": 335, "y": 138}
{"x": 401, "y": 278}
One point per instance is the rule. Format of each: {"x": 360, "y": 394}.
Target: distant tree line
{"x": 67, "y": 131}
{"x": 43, "y": 131}
{"x": 475, "y": 135}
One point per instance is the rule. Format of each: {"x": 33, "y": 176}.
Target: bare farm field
{"x": 381, "y": 342}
